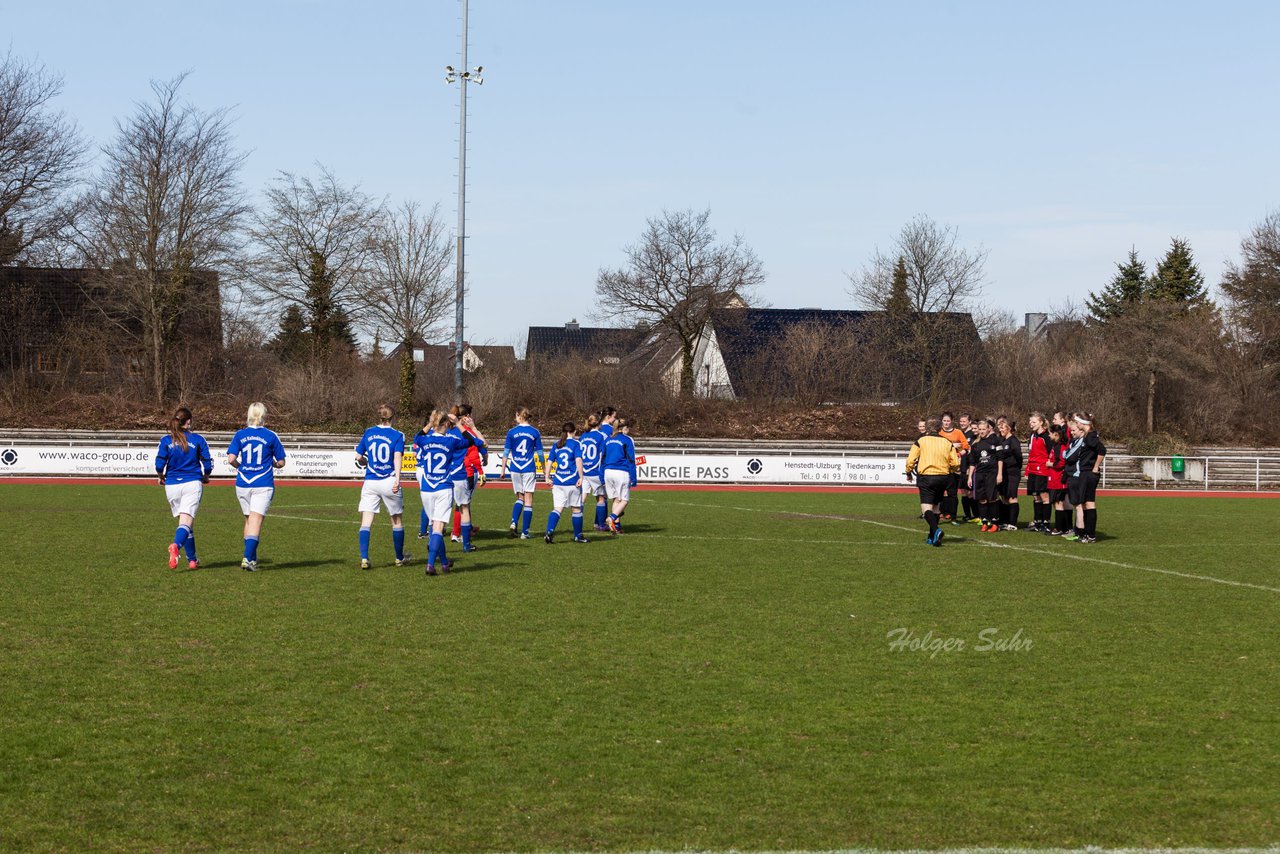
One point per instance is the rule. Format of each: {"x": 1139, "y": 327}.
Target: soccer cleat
{"x": 404, "y": 561}
{"x": 957, "y": 522}
{"x": 422, "y": 535}
{"x": 193, "y": 564}
{"x": 946, "y": 517}
{"x": 1011, "y": 527}
{"x": 364, "y": 564}
{"x": 431, "y": 569}
{"x": 581, "y": 540}
{"x": 173, "y": 555}
{"x": 1072, "y": 537}
{"x": 524, "y": 535}
{"x": 512, "y": 529}
{"x": 601, "y": 529}
{"x": 928, "y": 539}
{"x": 612, "y": 523}
{"x": 454, "y": 538}
{"x": 548, "y": 537}
{"x": 1088, "y": 538}
{"x": 471, "y": 548}
{"x": 445, "y": 565}
{"x": 1054, "y": 532}
{"x": 937, "y": 537}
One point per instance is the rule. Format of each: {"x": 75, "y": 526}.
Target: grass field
{"x": 720, "y": 677}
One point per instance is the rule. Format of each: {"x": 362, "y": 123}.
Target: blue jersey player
{"x": 255, "y": 453}
{"x": 566, "y": 481}
{"x": 619, "y": 472}
{"x": 183, "y": 465}
{"x": 380, "y": 452}
{"x": 599, "y": 429}
{"x": 522, "y": 453}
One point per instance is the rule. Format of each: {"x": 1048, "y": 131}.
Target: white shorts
{"x": 439, "y": 505}
{"x": 592, "y": 485}
{"x": 184, "y": 497}
{"x": 376, "y": 493}
{"x": 255, "y": 499}
{"x": 461, "y": 493}
{"x": 617, "y": 484}
{"x": 524, "y": 481}
{"x": 566, "y": 496}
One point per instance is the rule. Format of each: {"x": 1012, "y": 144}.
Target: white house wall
{"x": 710, "y": 375}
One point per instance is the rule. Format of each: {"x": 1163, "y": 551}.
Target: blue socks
{"x": 528, "y": 517}
{"x": 552, "y": 521}
{"x": 577, "y": 524}
{"x": 190, "y": 545}
{"x": 180, "y": 535}
{"x": 516, "y": 509}
{"x": 424, "y": 524}
{"x": 600, "y": 514}
{"x": 435, "y": 548}
{"x": 466, "y": 536}
{"x": 251, "y": 548}
{"x": 397, "y": 537}
{"x": 364, "y": 543}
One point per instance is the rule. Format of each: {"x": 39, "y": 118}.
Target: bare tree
{"x": 409, "y": 291}
{"x": 927, "y": 286}
{"x": 161, "y": 219}
{"x": 1252, "y": 288}
{"x": 41, "y": 153}
{"x": 675, "y": 277}
{"x": 314, "y": 244}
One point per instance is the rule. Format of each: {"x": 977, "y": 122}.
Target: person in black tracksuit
{"x": 983, "y": 470}
{"x": 1009, "y": 474}
{"x": 970, "y": 429}
{"x": 1083, "y": 463}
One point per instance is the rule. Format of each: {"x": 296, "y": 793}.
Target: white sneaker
{"x": 454, "y": 538}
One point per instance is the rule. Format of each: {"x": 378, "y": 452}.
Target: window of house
{"x": 47, "y": 362}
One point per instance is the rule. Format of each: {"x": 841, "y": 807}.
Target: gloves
{"x": 479, "y": 479}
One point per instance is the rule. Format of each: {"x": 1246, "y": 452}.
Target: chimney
{"x": 572, "y": 324}
{"x": 1035, "y": 324}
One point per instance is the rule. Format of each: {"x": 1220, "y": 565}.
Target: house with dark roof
{"x": 605, "y": 345}
{"x": 743, "y": 351}
{"x": 474, "y": 356}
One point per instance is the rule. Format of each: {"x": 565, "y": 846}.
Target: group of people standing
{"x": 450, "y": 453}
{"x": 976, "y": 466}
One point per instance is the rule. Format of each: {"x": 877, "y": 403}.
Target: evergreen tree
{"x": 1122, "y": 293}
{"x": 898, "y": 305}
{"x": 1177, "y": 279}
{"x": 293, "y": 341}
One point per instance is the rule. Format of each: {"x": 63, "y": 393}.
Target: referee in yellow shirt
{"x": 932, "y": 462}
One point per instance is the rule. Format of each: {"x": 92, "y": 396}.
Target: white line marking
{"x": 312, "y": 519}
{"x": 994, "y": 545}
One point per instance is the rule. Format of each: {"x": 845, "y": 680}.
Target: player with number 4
{"x": 523, "y": 446}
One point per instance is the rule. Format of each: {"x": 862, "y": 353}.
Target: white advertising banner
{"x": 88, "y": 460}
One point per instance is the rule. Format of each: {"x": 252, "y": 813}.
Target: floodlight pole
{"x": 463, "y": 77}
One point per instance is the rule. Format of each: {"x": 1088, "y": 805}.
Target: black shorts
{"x": 932, "y": 487}
{"x": 984, "y": 485}
{"x": 1009, "y": 489}
{"x": 953, "y": 483}
{"x": 1037, "y": 484}
{"x": 1082, "y": 488}
{"x": 1056, "y": 495}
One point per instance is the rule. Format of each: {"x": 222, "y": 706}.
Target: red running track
{"x": 658, "y": 487}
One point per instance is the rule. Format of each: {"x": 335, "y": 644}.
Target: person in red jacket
{"x": 1038, "y": 472}
{"x": 474, "y": 466}
{"x": 1055, "y": 481}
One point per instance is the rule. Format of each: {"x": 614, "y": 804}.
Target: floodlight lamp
{"x": 449, "y": 68}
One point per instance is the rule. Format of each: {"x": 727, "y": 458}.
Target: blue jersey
{"x": 593, "y": 452}
{"x": 435, "y": 452}
{"x": 524, "y": 442}
{"x": 179, "y": 466}
{"x": 620, "y": 455}
{"x": 257, "y": 449}
{"x": 457, "y": 465}
{"x": 566, "y": 460}
{"x": 379, "y": 445}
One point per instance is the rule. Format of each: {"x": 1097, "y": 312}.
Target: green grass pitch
{"x": 721, "y": 677}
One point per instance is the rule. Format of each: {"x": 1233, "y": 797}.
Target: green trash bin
{"x": 1178, "y": 466}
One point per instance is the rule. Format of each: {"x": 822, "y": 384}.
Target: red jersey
{"x": 472, "y": 463}
{"x": 1038, "y": 454}
{"x": 1054, "y": 464}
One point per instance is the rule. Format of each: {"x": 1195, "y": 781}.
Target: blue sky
{"x": 1056, "y": 137}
